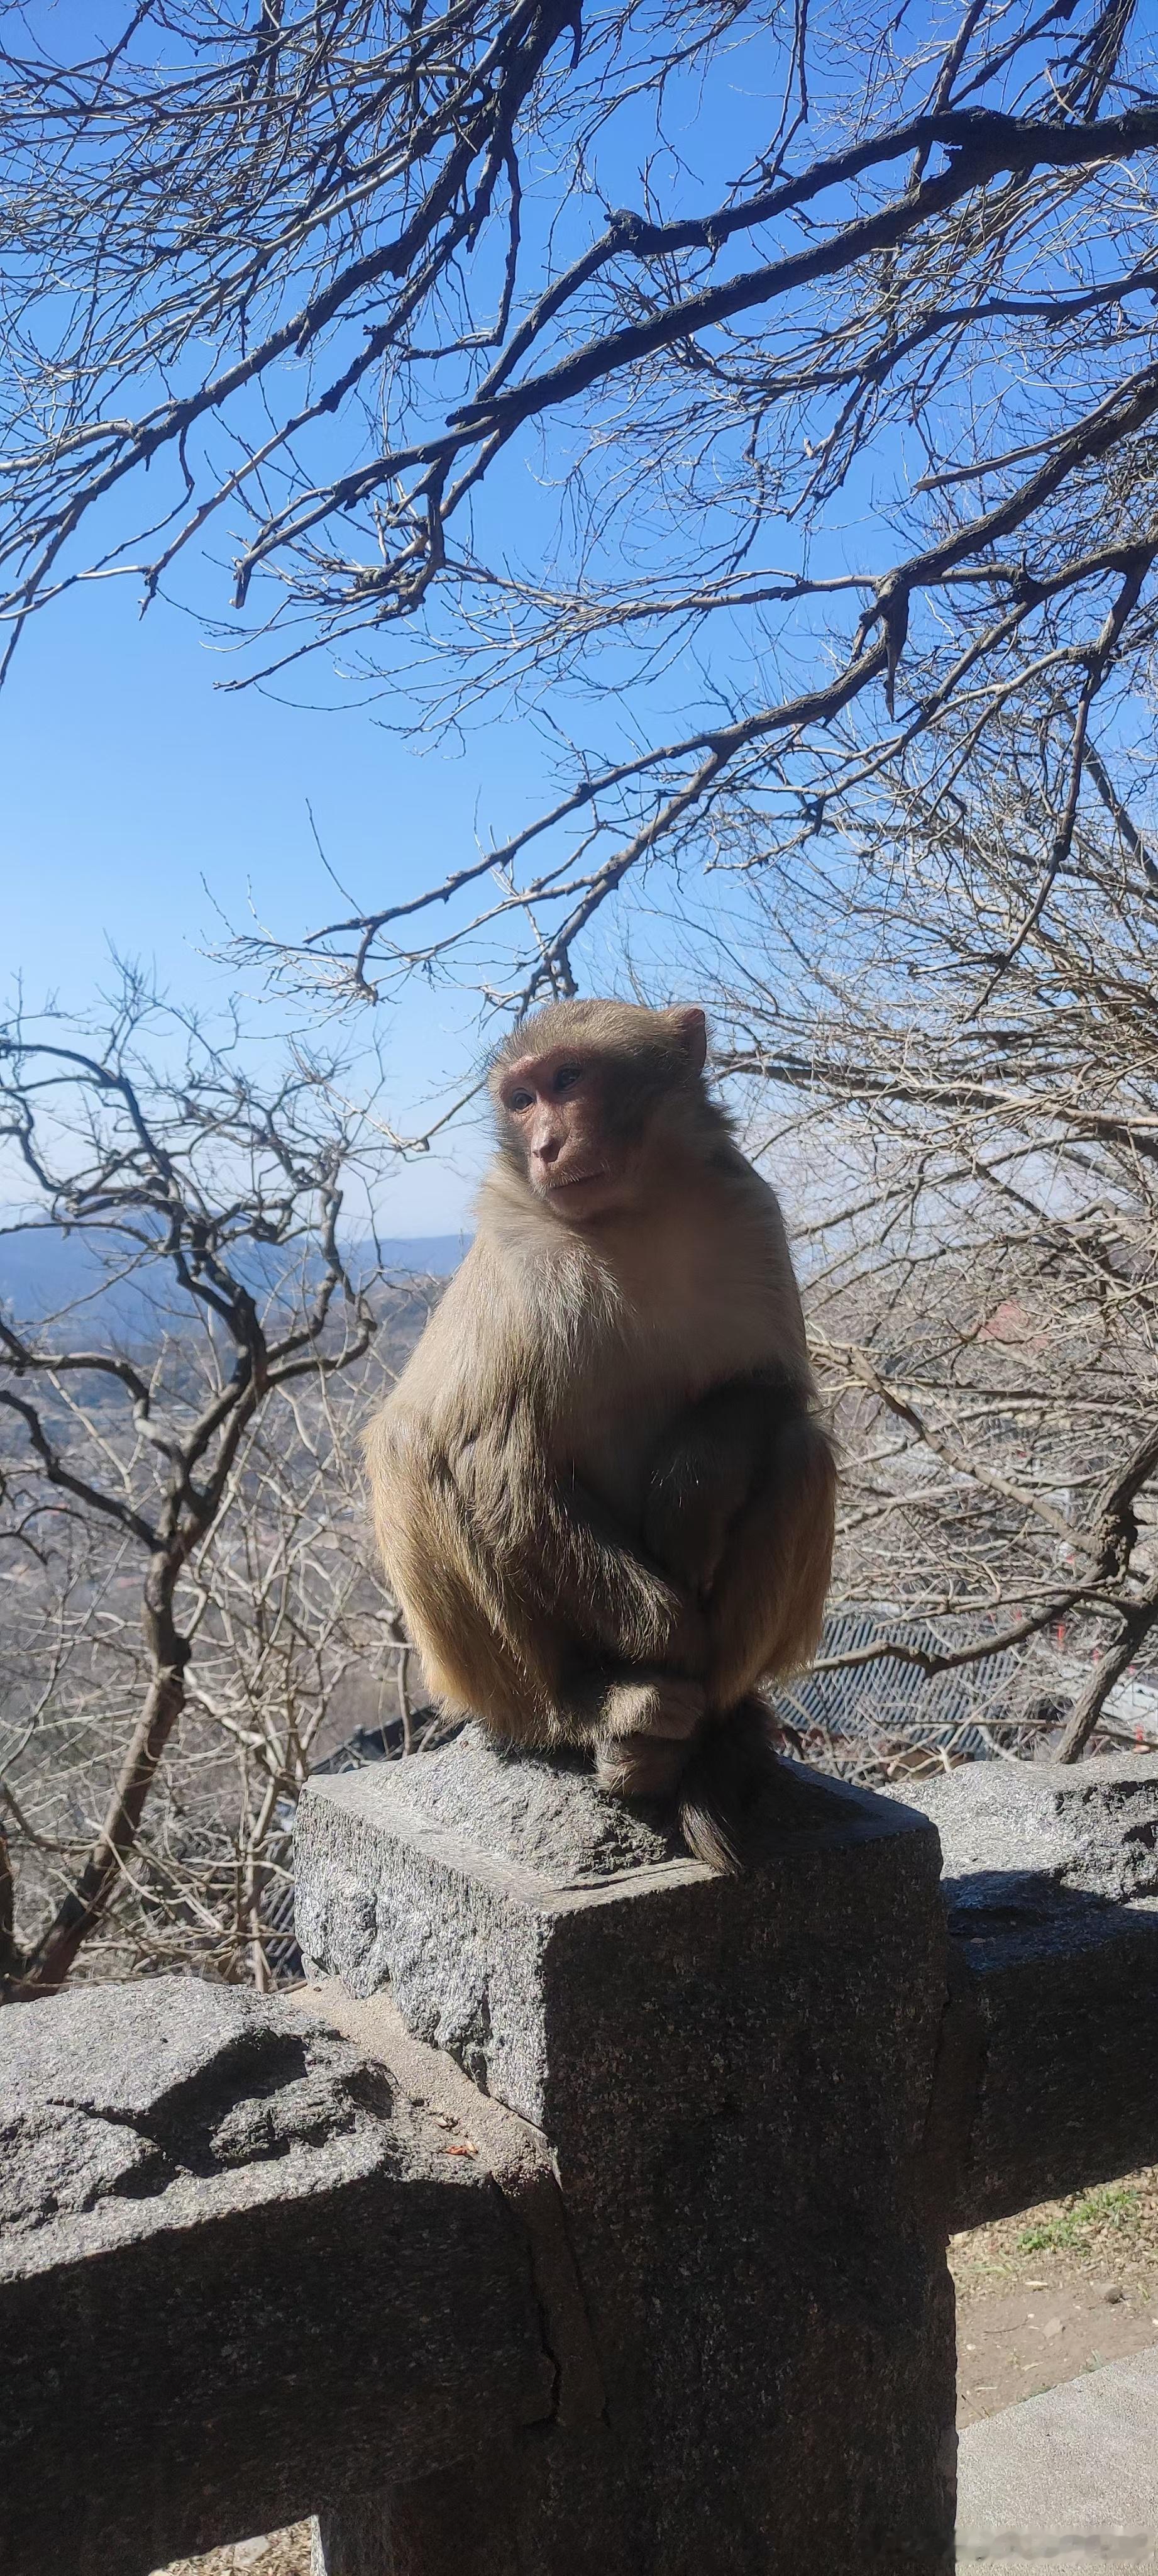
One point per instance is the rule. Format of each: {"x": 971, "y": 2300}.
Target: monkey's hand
{"x": 704, "y": 1471}
{"x": 648, "y": 1721}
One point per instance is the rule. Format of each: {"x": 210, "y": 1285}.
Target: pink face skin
{"x": 554, "y": 1105}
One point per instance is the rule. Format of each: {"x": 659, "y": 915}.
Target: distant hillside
{"x": 43, "y": 1274}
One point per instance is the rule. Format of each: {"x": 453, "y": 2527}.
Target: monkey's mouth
{"x": 580, "y": 1180}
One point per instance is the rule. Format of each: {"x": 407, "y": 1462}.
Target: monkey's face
{"x": 592, "y": 1096}
{"x": 558, "y": 1111}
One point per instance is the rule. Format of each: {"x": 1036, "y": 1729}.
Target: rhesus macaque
{"x": 601, "y": 1491}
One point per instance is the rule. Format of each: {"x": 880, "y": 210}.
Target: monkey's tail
{"x": 725, "y": 1787}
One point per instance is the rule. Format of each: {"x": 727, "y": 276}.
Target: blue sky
{"x": 129, "y": 778}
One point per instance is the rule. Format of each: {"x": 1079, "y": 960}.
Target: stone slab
{"x": 734, "y": 2078}
{"x": 539, "y": 1814}
{"x": 1087, "y": 1826}
{"x": 1080, "y": 2464}
{"x": 238, "y": 2273}
{"x": 1050, "y": 2056}
{"x": 517, "y": 2157}
{"x": 445, "y": 1878}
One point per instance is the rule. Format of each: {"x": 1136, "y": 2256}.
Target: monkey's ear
{"x": 691, "y": 1029}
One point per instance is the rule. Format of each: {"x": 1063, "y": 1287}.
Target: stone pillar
{"x": 733, "y": 2078}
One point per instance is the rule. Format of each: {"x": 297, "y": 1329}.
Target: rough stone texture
{"x": 1078, "y": 2463}
{"x": 543, "y": 1812}
{"x": 1089, "y": 1826}
{"x": 734, "y": 2077}
{"x": 462, "y": 1978}
{"x": 517, "y": 2156}
{"x": 1049, "y": 2073}
{"x": 237, "y": 2272}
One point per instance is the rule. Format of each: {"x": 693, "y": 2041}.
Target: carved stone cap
{"x": 539, "y": 1812}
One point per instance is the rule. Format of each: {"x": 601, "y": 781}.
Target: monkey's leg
{"x": 640, "y": 1725}
{"x": 768, "y": 1597}
{"x": 503, "y": 1571}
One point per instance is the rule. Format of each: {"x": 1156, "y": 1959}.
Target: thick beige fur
{"x": 602, "y": 1463}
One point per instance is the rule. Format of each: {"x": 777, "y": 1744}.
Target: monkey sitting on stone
{"x": 602, "y": 1494}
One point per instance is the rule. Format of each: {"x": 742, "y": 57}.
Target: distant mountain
{"x": 47, "y": 1273}
{"x": 425, "y": 1256}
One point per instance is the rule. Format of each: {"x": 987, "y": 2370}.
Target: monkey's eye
{"x": 568, "y": 1075}
{"x": 518, "y": 1101}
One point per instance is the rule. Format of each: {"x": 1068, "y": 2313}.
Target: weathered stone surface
{"x": 117, "y": 2098}
{"x": 734, "y": 2077}
{"x": 1050, "y": 2065}
{"x": 539, "y": 1812}
{"x": 462, "y": 1977}
{"x": 1089, "y": 1826}
{"x": 515, "y": 2154}
{"x": 238, "y": 2273}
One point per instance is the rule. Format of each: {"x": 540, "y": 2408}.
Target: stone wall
{"x": 587, "y": 2215}
{"x": 238, "y": 2272}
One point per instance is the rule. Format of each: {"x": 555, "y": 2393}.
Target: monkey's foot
{"x": 648, "y": 1726}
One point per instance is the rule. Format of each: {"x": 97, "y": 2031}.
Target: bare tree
{"x": 296, "y": 1647}
{"x": 848, "y": 599}
{"x": 140, "y": 1461}
{"x": 344, "y": 279}
{"x": 969, "y": 1076}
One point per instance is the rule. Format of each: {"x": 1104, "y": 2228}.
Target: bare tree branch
{"x": 190, "y": 1174}
{"x": 978, "y": 1153}
{"x": 290, "y": 274}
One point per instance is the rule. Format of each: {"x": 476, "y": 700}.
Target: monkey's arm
{"x": 768, "y": 1597}
{"x": 706, "y": 1468}
{"x": 575, "y": 1559}
{"x": 741, "y": 1510}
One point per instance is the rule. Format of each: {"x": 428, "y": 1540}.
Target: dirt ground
{"x": 1040, "y": 2298}
{"x": 1055, "y": 2291}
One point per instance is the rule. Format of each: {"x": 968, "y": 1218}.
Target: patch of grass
{"x": 1113, "y": 2228}
{"x": 1113, "y": 2205}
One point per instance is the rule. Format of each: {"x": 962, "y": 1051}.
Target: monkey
{"x": 603, "y": 1494}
